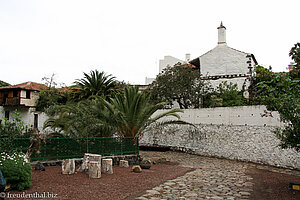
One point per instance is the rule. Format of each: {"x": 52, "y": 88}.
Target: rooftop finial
{"x": 221, "y": 25}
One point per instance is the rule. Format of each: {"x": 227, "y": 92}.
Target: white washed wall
{"x": 34, "y": 96}
{"x": 246, "y": 143}
{"x": 239, "y": 115}
{"x": 168, "y": 60}
{"x": 27, "y": 115}
{"x": 233, "y": 132}
{"x": 239, "y": 81}
{"x": 1, "y": 112}
{"x": 223, "y": 60}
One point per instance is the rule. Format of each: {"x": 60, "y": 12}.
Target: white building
{"x": 167, "y": 61}
{"x": 23, "y": 98}
{"x": 224, "y": 63}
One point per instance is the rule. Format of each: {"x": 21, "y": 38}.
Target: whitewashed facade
{"x": 23, "y": 99}
{"x": 221, "y": 63}
{"x": 224, "y": 63}
{"x": 164, "y": 63}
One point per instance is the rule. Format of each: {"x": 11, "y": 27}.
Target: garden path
{"x": 213, "y": 178}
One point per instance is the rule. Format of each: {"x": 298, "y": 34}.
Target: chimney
{"x": 187, "y": 57}
{"x": 221, "y": 34}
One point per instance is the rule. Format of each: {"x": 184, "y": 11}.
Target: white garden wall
{"x": 234, "y": 132}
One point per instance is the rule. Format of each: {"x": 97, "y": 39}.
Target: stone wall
{"x": 246, "y": 142}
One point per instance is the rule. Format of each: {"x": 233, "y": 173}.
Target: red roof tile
{"x": 27, "y": 86}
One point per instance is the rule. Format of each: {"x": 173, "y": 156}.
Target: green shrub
{"x": 11, "y": 129}
{"x": 16, "y": 170}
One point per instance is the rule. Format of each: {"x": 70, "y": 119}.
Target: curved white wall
{"x": 233, "y": 132}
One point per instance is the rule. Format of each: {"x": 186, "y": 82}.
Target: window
{"x": 27, "y": 94}
{"x": 6, "y": 115}
{"x": 36, "y": 121}
{"x": 15, "y": 93}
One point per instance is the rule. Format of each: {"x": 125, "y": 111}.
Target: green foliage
{"x": 78, "y": 119}
{"x": 227, "y": 94}
{"x": 215, "y": 101}
{"x": 51, "y": 97}
{"x": 181, "y": 83}
{"x": 131, "y": 113}
{"x": 16, "y": 170}
{"x": 11, "y": 129}
{"x": 94, "y": 84}
{"x": 262, "y": 74}
{"x": 127, "y": 114}
{"x": 76, "y": 113}
{"x": 295, "y": 55}
{"x": 282, "y": 94}
{"x": 2, "y": 84}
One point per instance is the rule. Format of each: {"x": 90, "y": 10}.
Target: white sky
{"x": 126, "y": 38}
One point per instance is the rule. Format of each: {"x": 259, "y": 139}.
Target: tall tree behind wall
{"x": 180, "y": 83}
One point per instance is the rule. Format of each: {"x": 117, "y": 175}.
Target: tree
{"x": 78, "y": 119}
{"x": 52, "y": 95}
{"x": 128, "y": 114}
{"x": 95, "y": 83}
{"x": 262, "y": 75}
{"x": 3, "y": 84}
{"x": 282, "y": 94}
{"x": 49, "y": 81}
{"x": 131, "y": 113}
{"x": 229, "y": 95}
{"x": 181, "y": 83}
{"x": 295, "y": 55}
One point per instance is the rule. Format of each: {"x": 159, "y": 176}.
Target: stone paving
{"x": 212, "y": 178}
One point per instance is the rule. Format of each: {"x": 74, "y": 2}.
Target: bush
{"x": 11, "y": 129}
{"x": 227, "y": 95}
{"x": 16, "y": 170}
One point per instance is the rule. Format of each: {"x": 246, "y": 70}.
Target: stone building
{"x": 221, "y": 63}
{"x": 23, "y": 98}
{"x": 224, "y": 63}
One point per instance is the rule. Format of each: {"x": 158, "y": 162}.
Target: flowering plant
{"x": 16, "y": 170}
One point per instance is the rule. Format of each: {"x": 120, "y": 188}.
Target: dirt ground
{"x": 273, "y": 186}
{"x": 125, "y": 184}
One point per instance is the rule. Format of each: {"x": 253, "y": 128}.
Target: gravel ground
{"x": 195, "y": 177}
{"x": 123, "y": 184}
{"x": 216, "y": 178}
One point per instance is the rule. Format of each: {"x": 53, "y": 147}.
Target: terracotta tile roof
{"x": 27, "y": 86}
{"x": 67, "y": 89}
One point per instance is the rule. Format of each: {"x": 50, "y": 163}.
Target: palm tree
{"x": 95, "y": 83}
{"x": 78, "y": 120}
{"x": 131, "y": 113}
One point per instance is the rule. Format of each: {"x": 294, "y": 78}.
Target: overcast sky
{"x": 126, "y": 38}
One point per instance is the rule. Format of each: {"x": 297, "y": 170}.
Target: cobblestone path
{"x": 212, "y": 178}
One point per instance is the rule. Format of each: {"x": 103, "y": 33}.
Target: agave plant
{"x": 131, "y": 113}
